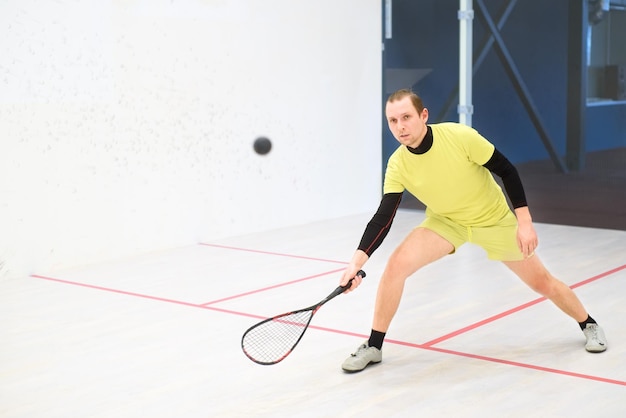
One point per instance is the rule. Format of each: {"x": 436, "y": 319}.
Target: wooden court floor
{"x": 159, "y": 335}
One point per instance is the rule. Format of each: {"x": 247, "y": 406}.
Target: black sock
{"x": 589, "y": 320}
{"x": 376, "y": 339}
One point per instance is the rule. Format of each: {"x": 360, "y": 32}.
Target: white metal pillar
{"x": 466, "y": 17}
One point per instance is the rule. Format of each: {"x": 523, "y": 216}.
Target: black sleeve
{"x": 502, "y": 167}
{"x": 378, "y": 227}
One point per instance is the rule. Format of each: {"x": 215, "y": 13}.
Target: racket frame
{"x": 313, "y": 309}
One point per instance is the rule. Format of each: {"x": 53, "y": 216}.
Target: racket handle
{"x": 358, "y": 273}
{"x": 340, "y": 289}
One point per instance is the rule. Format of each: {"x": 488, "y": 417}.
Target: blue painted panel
{"x": 606, "y": 127}
{"x": 426, "y": 35}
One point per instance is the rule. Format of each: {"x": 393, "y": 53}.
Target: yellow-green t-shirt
{"x": 449, "y": 178}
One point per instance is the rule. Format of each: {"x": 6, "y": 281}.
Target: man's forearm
{"x": 523, "y": 215}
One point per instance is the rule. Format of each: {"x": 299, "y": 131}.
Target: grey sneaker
{"x": 596, "y": 341}
{"x": 363, "y": 356}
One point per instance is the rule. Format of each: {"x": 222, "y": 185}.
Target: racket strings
{"x": 271, "y": 341}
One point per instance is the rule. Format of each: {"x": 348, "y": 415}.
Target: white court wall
{"x": 127, "y": 126}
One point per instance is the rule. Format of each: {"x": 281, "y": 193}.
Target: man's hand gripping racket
{"x": 273, "y": 339}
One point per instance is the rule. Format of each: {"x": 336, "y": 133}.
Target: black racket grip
{"x": 358, "y": 273}
{"x": 340, "y": 289}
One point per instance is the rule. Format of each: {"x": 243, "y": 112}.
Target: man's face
{"x": 407, "y": 125}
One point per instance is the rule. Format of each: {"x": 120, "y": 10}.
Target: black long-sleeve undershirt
{"x": 378, "y": 227}
{"x": 499, "y": 165}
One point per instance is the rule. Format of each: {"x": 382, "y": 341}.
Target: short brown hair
{"x": 402, "y": 93}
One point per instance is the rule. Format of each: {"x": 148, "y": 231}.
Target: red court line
{"x": 426, "y": 346}
{"x": 599, "y": 276}
{"x": 518, "y": 364}
{"x": 143, "y": 296}
{"x": 528, "y": 366}
{"x": 483, "y": 358}
{"x": 272, "y": 253}
{"x": 252, "y": 292}
{"x": 516, "y": 309}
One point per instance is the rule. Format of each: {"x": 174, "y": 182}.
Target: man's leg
{"x": 536, "y": 276}
{"x": 421, "y": 247}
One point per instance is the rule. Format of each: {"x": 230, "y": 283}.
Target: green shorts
{"x": 499, "y": 240}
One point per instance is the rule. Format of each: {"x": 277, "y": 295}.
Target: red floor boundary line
{"x": 272, "y": 253}
{"x": 483, "y": 322}
{"x": 527, "y": 366}
{"x": 252, "y": 292}
{"x": 483, "y": 358}
{"x": 144, "y": 296}
{"x": 599, "y": 276}
{"x": 516, "y": 309}
{"x": 421, "y": 346}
